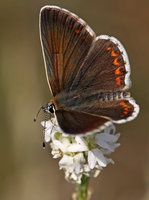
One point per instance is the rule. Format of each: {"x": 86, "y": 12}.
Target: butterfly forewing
{"x": 66, "y": 41}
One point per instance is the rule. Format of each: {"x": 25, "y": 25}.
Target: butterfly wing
{"x": 65, "y": 40}
{"x": 106, "y": 67}
{"x": 74, "y": 123}
{"x": 118, "y": 107}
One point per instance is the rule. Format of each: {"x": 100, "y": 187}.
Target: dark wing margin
{"x": 65, "y": 41}
{"x": 80, "y": 123}
{"x": 106, "y": 67}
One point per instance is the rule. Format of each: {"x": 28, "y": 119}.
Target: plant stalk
{"x": 82, "y": 189}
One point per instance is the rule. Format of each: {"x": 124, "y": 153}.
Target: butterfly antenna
{"x": 35, "y": 118}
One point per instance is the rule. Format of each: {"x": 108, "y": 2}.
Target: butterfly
{"x": 88, "y": 76}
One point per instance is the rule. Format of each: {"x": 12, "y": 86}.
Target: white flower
{"x": 96, "y": 156}
{"x": 49, "y": 128}
{"x": 72, "y": 163}
{"x": 68, "y": 144}
{"x": 106, "y": 140}
{"x": 81, "y": 155}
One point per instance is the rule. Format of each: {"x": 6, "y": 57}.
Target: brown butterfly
{"x": 88, "y": 75}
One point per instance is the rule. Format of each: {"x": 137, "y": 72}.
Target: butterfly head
{"x": 49, "y": 108}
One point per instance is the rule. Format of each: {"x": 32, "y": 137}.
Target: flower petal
{"x": 110, "y": 129}
{"x": 60, "y": 145}
{"x": 80, "y": 140}
{"x": 76, "y": 148}
{"x": 65, "y": 141}
{"x": 109, "y": 160}
{"x": 107, "y": 137}
{"x": 47, "y": 136}
{"x": 67, "y": 163}
{"x": 47, "y": 124}
{"x": 100, "y": 157}
{"x": 91, "y": 159}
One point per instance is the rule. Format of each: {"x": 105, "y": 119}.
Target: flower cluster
{"x": 81, "y": 155}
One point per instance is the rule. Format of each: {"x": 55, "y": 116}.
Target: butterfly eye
{"x": 50, "y": 108}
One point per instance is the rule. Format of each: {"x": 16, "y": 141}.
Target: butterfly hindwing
{"x": 74, "y": 123}
{"x": 116, "y": 106}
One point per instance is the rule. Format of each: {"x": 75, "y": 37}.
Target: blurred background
{"x": 26, "y": 170}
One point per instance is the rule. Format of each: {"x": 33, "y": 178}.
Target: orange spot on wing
{"x": 77, "y": 31}
{"x": 115, "y": 62}
{"x": 122, "y": 103}
{"x": 125, "y": 106}
{"x": 118, "y": 81}
{"x": 113, "y": 54}
{"x": 118, "y": 72}
{"x": 126, "y": 109}
{"x": 108, "y": 48}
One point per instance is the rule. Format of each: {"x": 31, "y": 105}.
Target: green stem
{"x": 82, "y": 189}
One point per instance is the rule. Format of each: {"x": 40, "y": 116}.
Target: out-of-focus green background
{"x": 28, "y": 172}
